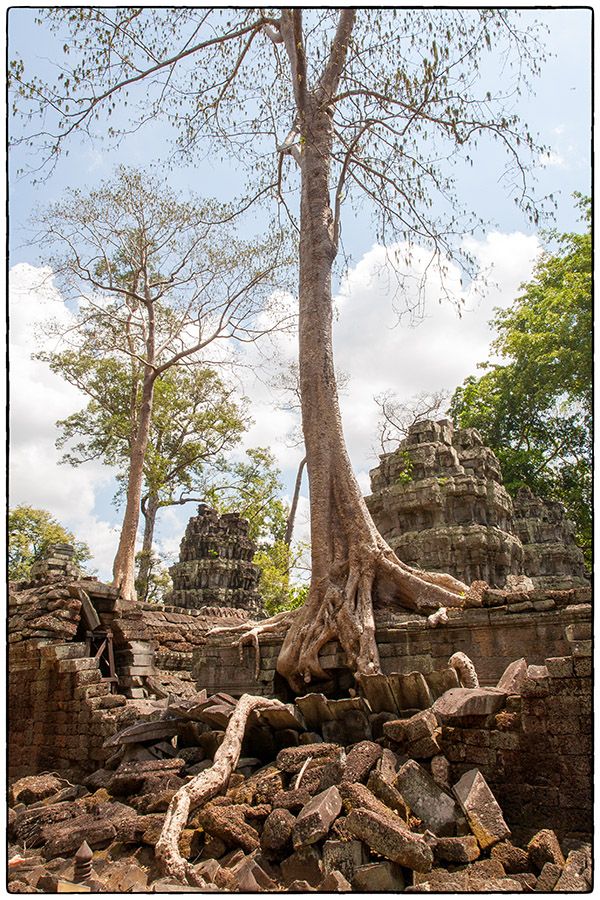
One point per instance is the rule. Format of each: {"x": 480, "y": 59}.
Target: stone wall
{"x": 440, "y": 503}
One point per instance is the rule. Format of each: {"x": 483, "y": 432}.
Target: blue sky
{"x": 439, "y": 352}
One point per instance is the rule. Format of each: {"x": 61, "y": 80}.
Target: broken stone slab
{"x": 385, "y": 835}
{"x": 145, "y": 731}
{"x": 344, "y": 856}
{"x": 441, "y": 681}
{"x": 299, "y": 886}
{"x": 334, "y": 882}
{"x": 461, "y": 703}
{"x": 33, "y": 788}
{"x": 544, "y": 847}
{"x": 280, "y": 718}
{"x": 388, "y": 794}
{"x": 547, "y": 878}
{"x": 357, "y": 796}
{"x": 481, "y": 809}
{"x": 379, "y": 877}
{"x": 436, "y": 809}
{"x": 303, "y": 865}
{"x": 314, "y": 709}
{"x": 417, "y": 735}
{"x": 316, "y": 818}
{"x": 387, "y": 765}
{"x": 377, "y": 690}
{"x": 64, "y": 838}
{"x": 129, "y": 778}
{"x": 514, "y": 860}
{"x": 291, "y": 759}
{"x": 319, "y": 775}
{"x": 576, "y": 875}
{"x": 293, "y": 800}
{"x": 251, "y": 877}
{"x": 410, "y": 691}
{"x": 360, "y": 760}
{"x": 513, "y": 677}
{"x": 456, "y": 850}
{"x": 228, "y": 824}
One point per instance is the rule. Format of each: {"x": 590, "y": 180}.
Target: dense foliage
{"x": 535, "y": 410}
{"x": 30, "y": 532}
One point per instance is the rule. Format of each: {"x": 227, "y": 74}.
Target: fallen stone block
{"x": 33, "y": 788}
{"x": 316, "y": 818}
{"x": 410, "y": 691}
{"x": 292, "y": 759}
{"x": 303, "y": 865}
{"x": 293, "y": 800}
{"x": 456, "y": 850}
{"x": 511, "y": 680}
{"x": 360, "y": 761}
{"x": 481, "y": 809}
{"x": 344, "y": 856}
{"x": 277, "y": 830}
{"x": 319, "y": 775}
{"x": 251, "y": 877}
{"x": 377, "y": 690}
{"x": 388, "y": 794}
{"x": 385, "y": 835}
{"x": 436, "y": 809}
{"x": 357, "y": 796}
{"x": 576, "y": 875}
{"x": 440, "y": 771}
{"x": 130, "y": 777}
{"x": 314, "y": 709}
{"x": 228, "y": 824}
{"x": 543, "y": 848}
{"x": 300, "y": 887}
{"x": 463, "y": 703}
{"x": 548, "y": 878}
{"x": 334, "y": 881}
{"x": 387, "y": 765}
{"x": 527, "y": 880}
{"x": 64, "y": 838}
{"x": 405, "y": 731}
{"x": 378, "y": 877}
{"x": 512, "y": 858}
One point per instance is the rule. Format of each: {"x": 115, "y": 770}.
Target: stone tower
{"x": 439, "y": 502}
{"x": 215, "y": 565}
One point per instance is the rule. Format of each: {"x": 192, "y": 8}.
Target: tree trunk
{"x": 149, "y": 511}
{"x": 352, "y": 566}
{"x": 289, "y": 525}
{"x": 124, "y": 564}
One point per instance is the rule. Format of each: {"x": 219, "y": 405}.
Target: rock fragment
{"x": 385, "y": 835}
{"x": 481, "y": 809}
{"x": 316, "y": 818}
{"x": 544, "y": 847}
{"x": 436, "y": 809}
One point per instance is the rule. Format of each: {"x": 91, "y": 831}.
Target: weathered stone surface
{"x": 437, "y": 810}
{"x": 130, "y": 777}
{"x": 576, "y": 875}
{"x": 481, "y": 809}
{"x": 293, "y": 758}
{"x": 417, "y": 735}
{"x": 547, "y": 878}
{"x": 316, "y": 818}
{"x": 228, "y": 824}
{"x": 361, "y": 760}
{"x": 385, "y": 835}
{"x": 456, "y": 850}
{"x": 543, "y": 848}
{"x": 293, "y": 800}
{"x": 512, "y": 858}
{"x": 64, "y": 838}
{"x": 378, "y": 877}
{"x": 461, "y": 703}
{"x": 33, "y": 788}
{"x": 513, "y": 677}
{"x": 251, "y": 877}
{"x": 343, "y": 856}
{"x": 357, "y": 796}
{"x": 388, "y": 794}
{"x": 303, "y": 865}
{"x": 334, "y": 881}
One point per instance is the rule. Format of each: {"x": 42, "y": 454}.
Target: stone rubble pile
{"x": 215, "y": 565}
{"x": 328, "y": 795}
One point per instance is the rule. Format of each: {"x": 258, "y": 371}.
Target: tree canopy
{"x": 535, "y": 410}
{"x": 30, "y": 532}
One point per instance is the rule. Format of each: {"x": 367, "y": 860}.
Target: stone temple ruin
{"x": 465, "y": 765}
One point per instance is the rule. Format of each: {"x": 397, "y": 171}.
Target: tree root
{"x": 203, "y": 787}
{"x": 250, "y": 636}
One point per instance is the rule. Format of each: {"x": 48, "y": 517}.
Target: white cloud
{"x": 552, "y": 159}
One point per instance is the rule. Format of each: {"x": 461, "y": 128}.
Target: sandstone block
{"x": 460, "y": 703}
{"x": 361, "y": 760}
{"x": 577, "y": 873}
{"x": 293, "y": 800}
{"x": 316, "y": 818}
{"x": 512, "y": 858}
{"x": 543, "y": 848}
{"x": 33, "y": 788}
{"x": 303, "y": 865}
{"x": 344, "y": 856}
{"x": 334, "y": 881}
{"x": 385, "y": 835}
{"x": 481, "y": 809}
{"x": 456, "y": 850}
{"x": 378, "y": 877}
{"x": 388, "y": 794}
{"x": 292, "y": 759}
{"x": 513, "y": 677}
{"x": 548, "y": 878}
{"x": 560, "y": 666}
{"x": 436, "y": 809}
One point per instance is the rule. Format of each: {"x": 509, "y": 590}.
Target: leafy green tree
{"x": 535, "y": 411}
{"x": 326, "y": 108}
{"x": 195, "y": 421}
{"x": 30, "y": 532}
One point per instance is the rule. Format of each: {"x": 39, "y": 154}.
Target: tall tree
{"x": 195, "y": 421}
{"x": 365, "y": 104}
{"x": 535, "y": 410}
{"x": 30, "y": 532}
{"x": 157, "y": 281}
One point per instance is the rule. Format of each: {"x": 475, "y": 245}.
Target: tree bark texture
{"x": 149, "y": 511}
{"x": 289, "y": 525}
{"x": 352, "y": 566}
{"x": 202, "y": 788}
{"x": 124, "y": 564}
